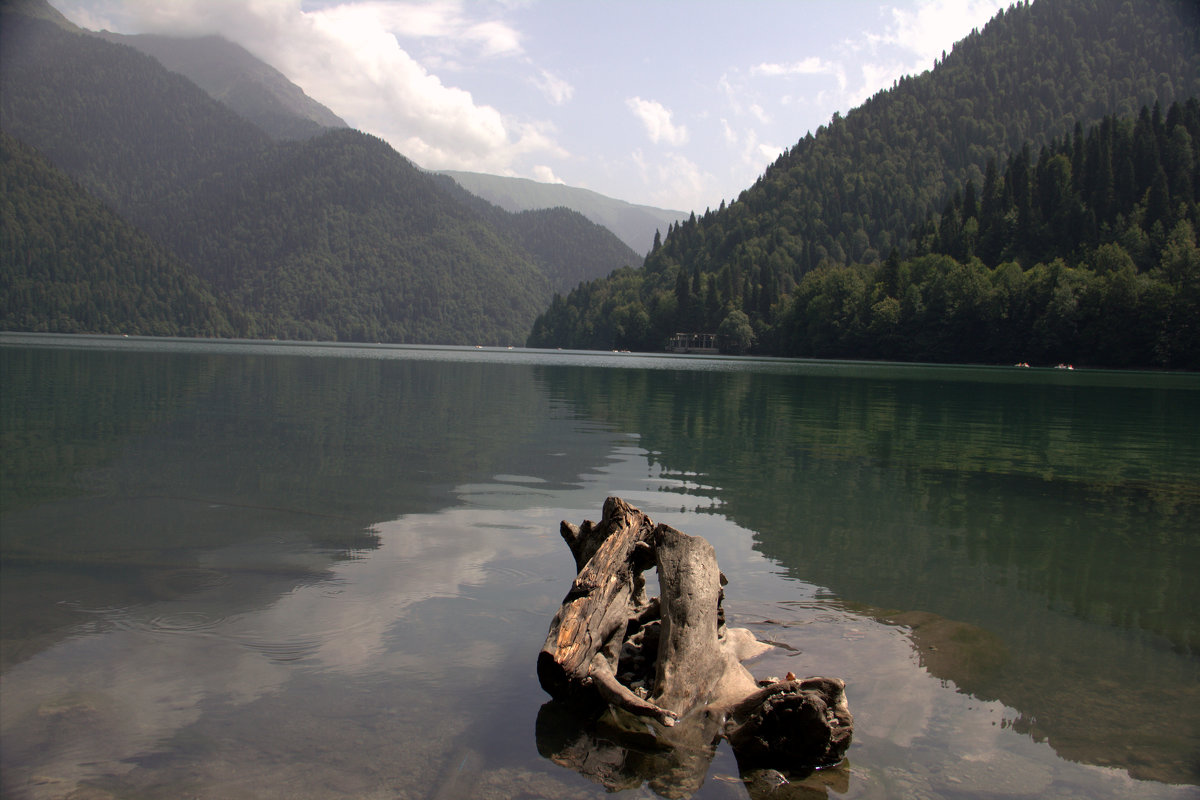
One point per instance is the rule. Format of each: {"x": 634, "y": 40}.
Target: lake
{"x": 275, "y": 570}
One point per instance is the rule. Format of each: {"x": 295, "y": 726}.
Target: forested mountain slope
{"x": 566, "y": 247}
{"x": 854, "y": 190}
{"x": 334, "y": 237}
{"x": 227, "y": 72}
{"x": 1107, "y": 219}
{"x": 126, "y": 128}
{"x": 633, "y": 224}
{"x": 68, "y": 264}
{"x": 339, "y": 237}
{"x": 569, "y": 247}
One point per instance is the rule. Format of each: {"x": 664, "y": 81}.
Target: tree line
{"x": 1106, "y": 220}
{"x": 864, "y": 185}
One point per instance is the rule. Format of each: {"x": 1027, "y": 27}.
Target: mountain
{"x": 262, "y": 95}
{"x": 1107, "y": 218}
{"x": 570, "y": 247}
{"x": 38, "y": 9}
{"x": 68, "y": 264}
{"x": 127, "y": 129}
{"x": 227, "y": 72}
{"x": 855, "y": 190}
{"x": 633, "y": 224}
{"x": 341, "y": 238}
{"x": 551, "y": 233}
{"x": 336, "y": 236}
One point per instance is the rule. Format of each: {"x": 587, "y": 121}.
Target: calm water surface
{"x": 236, "y": 570}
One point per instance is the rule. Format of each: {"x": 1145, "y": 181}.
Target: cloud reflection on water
{"x": 119, "y": 687}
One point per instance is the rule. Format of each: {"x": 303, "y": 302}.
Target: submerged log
{"x": 671, "y": 661}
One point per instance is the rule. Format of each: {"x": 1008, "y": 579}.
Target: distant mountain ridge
{"x": 39, "y": 9}
{"x": 335, "y": 237}
{"x": 264, "y": 96}
{"x": 230, "y": 74}
{"x": 633, "y": 224}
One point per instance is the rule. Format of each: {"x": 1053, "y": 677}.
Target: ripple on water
{"x": 518, "y": 576}
{"x": 284, "y": 650}
{"x": 184, "y": 623}
{"x": 183, "y": 610}
{"x": 168, "y": 584}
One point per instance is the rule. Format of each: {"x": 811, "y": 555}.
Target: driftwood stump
{"x": 668, "y": 667}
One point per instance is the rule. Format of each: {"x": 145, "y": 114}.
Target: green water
{"x": 277, "y": 570}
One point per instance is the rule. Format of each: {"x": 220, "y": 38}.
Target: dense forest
{"x": 1108, "y": 220}
{"x": 68, "y": 264}
{"x": 861, "y": 197}
{"x": 334, "y": 237}
{"x": 338, "y": 238}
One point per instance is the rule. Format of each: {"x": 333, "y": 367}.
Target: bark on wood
{"x": 671, "y": 661}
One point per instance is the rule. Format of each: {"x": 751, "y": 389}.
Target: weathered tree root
{"x": 671, "y": 661}
{"x": 794, "y": 724}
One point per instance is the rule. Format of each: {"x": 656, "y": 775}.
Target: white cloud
{"x": 752, "y": 152}
{"x": 927, "y": 30}
{"x": 808, "y": 66}
{"x": 401, "y": 69}
{"x": 728, "y": 132}
{"x": 762, "y": 153}
{"x": 914, "y": 39}
{"x": 350, "y": 58}
{"x": 556, "y": 90}
{"x": 442, "y": 20}
{"x": 657, "y": 120}
{"x": 675, "y": 181}
{"x": 545, "y": 174}
{"x": 353, "y": 64}
{"x": 732, "y": 93}
{"x": 92, "y": 17}
{"x": 495, "y": 38}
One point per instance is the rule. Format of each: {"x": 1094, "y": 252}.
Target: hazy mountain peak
{"x": 633, "y": 224}
{"x": 38, "y": 9}
{"x": 335, "y": 236}
{"x": 229, "y": 73}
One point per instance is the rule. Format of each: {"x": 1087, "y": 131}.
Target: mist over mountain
{"x": 634, "y": 224}
{"x": 335, "y": 236}
{"x": 228, "y": 73}
{"x": 261, "y": 94}
{"x": 38, "y": 9}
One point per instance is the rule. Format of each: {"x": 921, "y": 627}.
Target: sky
{"x": 678, "y": 104}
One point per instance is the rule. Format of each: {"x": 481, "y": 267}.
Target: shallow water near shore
{"x": 257, "y": 570}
